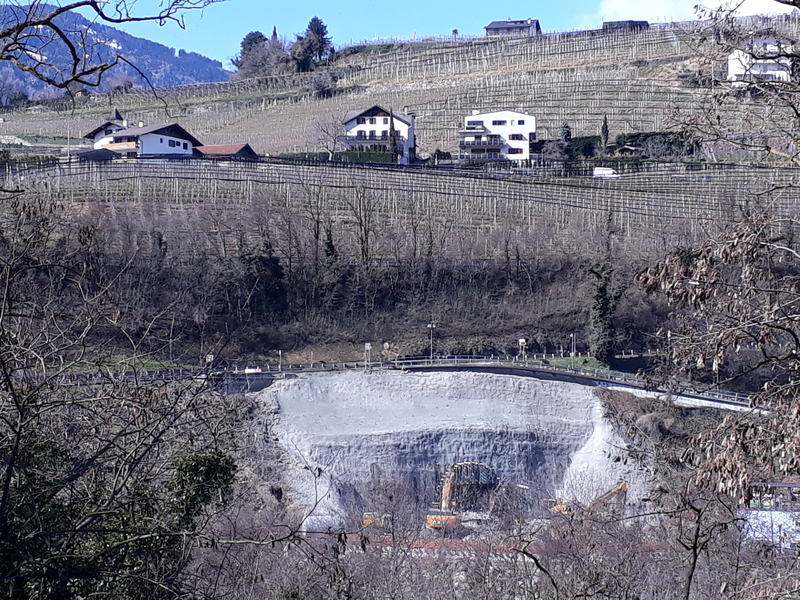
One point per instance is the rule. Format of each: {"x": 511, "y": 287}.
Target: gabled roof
{"x": 226, "y": 150}
{"x": 96, "y": 130}
{"x": 98, "y": 155}
{"x": 374, "y": 111}
{"x": 116, "y": 119}
{"x": 512, "y": 24}
{"x": 170, "y": 129}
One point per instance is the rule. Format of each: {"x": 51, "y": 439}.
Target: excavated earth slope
{"x": 344, "y": 430}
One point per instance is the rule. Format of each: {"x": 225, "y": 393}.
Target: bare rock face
{"x": 342, "y": 429}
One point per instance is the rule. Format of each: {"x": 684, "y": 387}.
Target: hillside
{"x": 639, "y": 80}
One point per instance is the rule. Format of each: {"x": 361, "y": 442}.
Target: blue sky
{"x": 217, "y": 31}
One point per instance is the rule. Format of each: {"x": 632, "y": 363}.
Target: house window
{"x": 172, "y": 143}
{"x": 475, "y": 123}
{"x": 478, "y": 138}
{"x": 131, "y": 139}
{"x": 372, "y": 120}
{"x": 361, "y": 121}
{"x": 372, "y": 134}
{"x": 521, "y": 122}
{"x": 130, "y": 155}
{"x": 360, "y": 134}
{"x": 385, "y": 120}
{"x": 160, "y": 140}
{"x": 384, "y": 134}
{"x": 498, "y": 122}
{"x": 108, "y": 132}
{"x": 516, "y": 136}
{"x": 185, "y": 146}
{"x": 515, "y": 150}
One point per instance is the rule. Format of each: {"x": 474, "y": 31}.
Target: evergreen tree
{"x": 604, "y": 135}
{"x": 249, "y": 44}
{"x": 394, "y": 147}
{"x": 566, "y": 133}
{"x": 313, "y": 45}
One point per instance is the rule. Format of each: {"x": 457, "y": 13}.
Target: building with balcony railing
{"x": 761, "y": 58}
{"x": 500, "y": 135}
{"x": 379, "y": 130}
{"x": 118, "y": 136}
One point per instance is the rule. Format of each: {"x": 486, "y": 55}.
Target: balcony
{"x": 122, "y": 146}
{"x": 485, "y": 156}
{"x": 472, "y": 129}
{"x": 492, "y": 143}
{"x": 365, "y": 138}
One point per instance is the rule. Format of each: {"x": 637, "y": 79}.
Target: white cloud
{"x": 763, "y": 7}
{"x": 658, "y": 11}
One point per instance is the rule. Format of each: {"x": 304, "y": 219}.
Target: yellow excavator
{"x": 613, "y": 500}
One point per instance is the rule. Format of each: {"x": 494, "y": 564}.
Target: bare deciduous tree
{"x": 32, "y": 32}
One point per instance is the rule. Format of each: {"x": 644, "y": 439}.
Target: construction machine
{"x": 465, "y": 486}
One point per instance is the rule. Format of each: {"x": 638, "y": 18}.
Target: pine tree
{"x": 604, "y": 135}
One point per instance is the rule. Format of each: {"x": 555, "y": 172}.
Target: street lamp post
{"x": 572, "y": 354}
{"x": 431, "y": 326}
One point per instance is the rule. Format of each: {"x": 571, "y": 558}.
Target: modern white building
{"x": 371, "y": 130}
{"x": 118, "y": 136}
{"x": 762, "y": 58}
{"x": 500, "y": 135}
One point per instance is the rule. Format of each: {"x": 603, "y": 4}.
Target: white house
{"x": 118, "y": 136}
{"x": 761, "y": 58}
{"x": 501, "y": 135}
{"x": 514, "y": 28}
{"x": 371, "y": 129}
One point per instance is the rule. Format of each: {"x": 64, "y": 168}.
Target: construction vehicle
{"x": 465, "y": 486}
{"x": 613, "y": 500}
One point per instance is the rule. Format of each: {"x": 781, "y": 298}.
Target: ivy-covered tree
{"x": 260, "y": 55}
{"x": 313, "y": 46}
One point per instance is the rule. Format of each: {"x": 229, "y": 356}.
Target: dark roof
{"x": 170, "y": 129}
{"x": 628, "y": 25}
{"x": 99, "y": 154}
{"x": 116, "y": 119}
{"x": 226, "y": 150}
{"x": 97, "y": 130}
{"x": 512, "y": 24}
{"x": 376, "y": 111}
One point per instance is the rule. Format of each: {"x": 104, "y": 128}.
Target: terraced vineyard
{"x": 632, "y": 78}
{"x": 473, "y": 214}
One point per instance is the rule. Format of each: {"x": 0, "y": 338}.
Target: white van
{"x": 605, "y": 173}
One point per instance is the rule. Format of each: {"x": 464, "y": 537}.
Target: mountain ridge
{"x": 161, "y": 65}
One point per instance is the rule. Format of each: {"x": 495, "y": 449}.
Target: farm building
{"x": 520, "y": 28}
{"x": 371, "y": 130}
{"x": 625, "y": 26}
{"x": 501, "y": 135}
{"x": 763, "y": 57}
{"x": 241, "y": 151}
{"x": 169, "y": 139}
